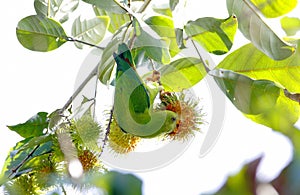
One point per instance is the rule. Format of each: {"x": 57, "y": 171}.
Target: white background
{"x": 32, "y": 81}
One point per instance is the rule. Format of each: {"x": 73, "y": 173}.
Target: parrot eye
{"x": 173, "y": 119}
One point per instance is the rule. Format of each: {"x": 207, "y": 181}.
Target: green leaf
{"x": 290, "y": 25}
{"x": 107, "y": 5}
{"x": 215, "y": 35}
{"x": 54, "y": 118}
{"x": 117, "y": 183}
{"x": 36, "y": 163}
{"x": 59, "y": 9}
{"x": 254, "y": 29}
{"x": 107, "y": 62}
{"x": 141, "y": 60}
{"x": 182, "y": 74}
{"x": 249, "y": 96}
{"x": 179, "y": 38}
{"x": 24, "y": 150}
{"x": 250, "y": 61}
{"x": 155, "y": 47}
{"x": 116, "y": 20}
{"x": 173, "y": 4}
{"x": 275, "y": 8}
{"x": 45, "y": 142}
{"x": 281, "y": 117}
{"x": 260, "y": 100}
{"x": 34, "y": 141}
{"x": 39, "y": 33}
{"x": 243, "y": 182}
{"x": 32, "y": 127}
{"x": 163, "y": 9}
{"x": 91, "y": 31}
{"x": 164, "y": 27}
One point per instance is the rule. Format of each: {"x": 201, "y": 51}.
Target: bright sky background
{"x": 31, "y": 82}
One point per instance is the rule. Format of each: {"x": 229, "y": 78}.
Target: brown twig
{"x": 71, "y": 39}
{"x": 107, "y": 131}
{"x": 14, "y": 170}
{"x": 132, "y": 40}
{"x": 292, "y": 96}
{"x": 63, "y": 189}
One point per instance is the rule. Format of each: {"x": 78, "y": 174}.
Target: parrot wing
{"x": 130, "y": 89}
{"x": 132, "y": 101}
{"x": 131, "y": 83}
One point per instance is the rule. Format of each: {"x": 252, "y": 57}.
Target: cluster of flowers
{"x": 189, "y": 121}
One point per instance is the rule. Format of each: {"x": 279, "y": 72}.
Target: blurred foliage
{"x": 290, "y": 25}
{"x": 243, "y": 182}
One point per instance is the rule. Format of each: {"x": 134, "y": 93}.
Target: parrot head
{"x": 169, "y": 124}
{"x": 171, "y": 121}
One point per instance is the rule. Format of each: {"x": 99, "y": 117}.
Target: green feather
{"x": 132, "y": 85}
{"x": 133, "y": 101}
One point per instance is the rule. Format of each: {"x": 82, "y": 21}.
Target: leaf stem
{"x": 132, "y": 40}
{"x": 93, "y": 73}
{"x": 83, "y": 42}
{"x": 124, "y": 8}
{"x": 200, "y": 56}
{"x": 95, "y": 92}
{"x": 144, "y": 6}
{"x": 293, "y": 96}
{"x": 152, "y": 64}
{"x": 48, "y": 8}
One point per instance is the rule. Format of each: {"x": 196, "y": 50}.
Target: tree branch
{"x": 107, "y": 131}
{"x": 63, "y": 189}
{"x": 79, "y": 89}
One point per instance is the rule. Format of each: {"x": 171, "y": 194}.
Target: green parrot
{"x": 133, "y": 101}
